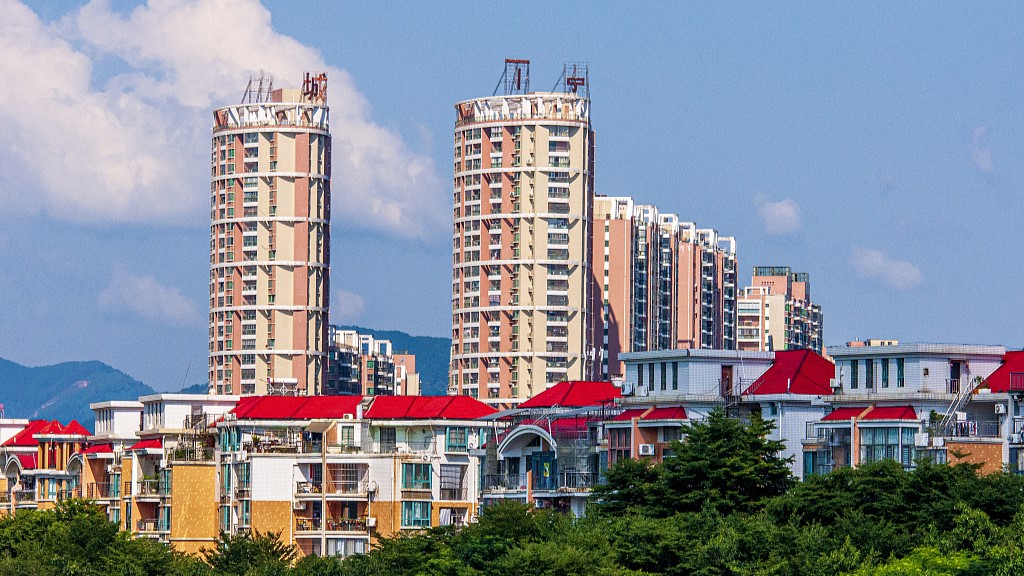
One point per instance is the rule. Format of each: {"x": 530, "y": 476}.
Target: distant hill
{"x": 63, "y": 391}
{"x": 201, "y": 388}
{"x": 432, "y": 356}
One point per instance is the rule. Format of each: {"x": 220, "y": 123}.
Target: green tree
{"x": 727, "y": 465}
{"x": 631, "y": 485}
{"x": 255, "y": 554}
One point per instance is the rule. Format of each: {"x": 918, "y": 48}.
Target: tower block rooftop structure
{"x": 523, "y": 199}
{"x": 270, "y": 199}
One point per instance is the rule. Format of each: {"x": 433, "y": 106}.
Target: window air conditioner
{"x": 1000, "y": 408}
{"x": 1014, "y": 438}
{"x": 371, "y": 522}
{"x": 299, "y": 505}
{"x": 647, "y": 449}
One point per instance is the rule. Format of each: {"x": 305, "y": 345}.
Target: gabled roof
{"x": 795, "y": 372}
{"x": 666, "y": 413}
{"x": 891, "y": 413}
{"x": 28, "y": 461}
{"x": 295, "y": 407}
{"x": 427, "y": 407}
{"x": 150, "y": 444}
{"x": 25, "y": 437}
{"x": 999, "y": 380}
{"x": 646, "y": 414}
{"x": 845, "y": 413}
{"x": 574, "y": 394}
{"x": 629, "y": 414}
{"x": 52, "y": 428}
{"x": 76, "y": 429}
{"x": 99, "y": 449}
{"x": 875, "y": 413}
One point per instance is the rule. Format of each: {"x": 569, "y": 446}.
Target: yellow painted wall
{"x": 194, "y": 505}
{"x": 988, "y": 454}
{"x": 389, "y": 518}
{"x": 273, "y": 516}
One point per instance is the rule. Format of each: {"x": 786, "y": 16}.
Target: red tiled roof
{"x": 844, "y": 414}
{"x": 152, "y": 443}
{"x": 24, "y": 438}
{"x": 28, "y": 461}
{"x": 99, "y": 449}
{"x": 52, "y": 428}
{"x": 666, "y": 413}
{"x": 74, "y": 428}
{"x": 891, "y": 413}
{"x": 629, "y": 415}
{"x": 645, "y": 414}
{"x": 427, "y": 407}
{"x": 574, "y": 394}
{"x": 295, "y": 407}
{"x": 795, "y": 372}
{"x": 1000, "y": 380}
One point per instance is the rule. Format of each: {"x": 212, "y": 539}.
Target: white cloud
{"x": 134, "y": 147}
{"x": 777, "y": 218}
{"x": 875, "y": 265}
{"x": 346, "y": 307}
{"x": 981, "y": 151}
{"x": 145, "y": 297}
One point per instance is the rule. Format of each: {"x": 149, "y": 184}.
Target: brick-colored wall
{"x": 988, "y": 454}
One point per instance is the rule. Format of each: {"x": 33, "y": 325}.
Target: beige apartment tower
{"x": 523, "y": 198}
{"x": 270, "y": 240}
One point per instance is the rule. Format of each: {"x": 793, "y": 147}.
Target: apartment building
{"x": 776, "y": 312}
{"x": 659, "y": 283}
{"x": 906, "y": 401}
{"x": 35, "y": 463}
{"x": 546, "y": 451}
{"x": 523, "y": 198}
{"x": 270, "y": 199}
{"x": 361, "y": 365}
{"x": 334, "y": 473}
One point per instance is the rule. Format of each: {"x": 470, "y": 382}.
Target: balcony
{"x": 455, "y": 493}
{"x": 103, "y": 491}
{"x": 151, "y": 526}
{"x": 504, "y": 482}
{"x": 967, "y": 429}
{"x": 331, "y": 525}
{"x": 577, "y": 481}
{"x": 24, "y": 496}
{"x": 69, "y": 494}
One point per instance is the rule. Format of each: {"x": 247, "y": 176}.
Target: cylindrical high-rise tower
{"x": 523, "y": 198}
{"x": 270, "y": 240}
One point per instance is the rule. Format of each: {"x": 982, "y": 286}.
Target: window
{"x": 415, "y": 477}
{"x": 456, "y": 439}
{"x": 387, "y": 439}
{"x": 415, "y": 514}
{"x": 452, "y": 485}
{"x": 899, "y": 372}
{"x": 650, "y": 374}
{"x": 664, "y": 376}
{"x": 853, "y": 373}
{"x": 869, "y": 373}
{"x": 639, "y": 376}
{"x": 885, "y": 373}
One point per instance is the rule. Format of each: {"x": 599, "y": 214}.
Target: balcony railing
{"x": 577, "y": 480}
{"x": 25, "y": 495}
{"x": 967, "y": 429}
{"x": 503, "y": 482}
{"x": 332, "y": 525}
{"x": 147, "y": 525}
{"x": 69, "y": 494}
{"x": 148, "y": 488}
{"x": 457, "y": 494}
{"x": 345, "y": 487}
{"x": 102, "y": 490}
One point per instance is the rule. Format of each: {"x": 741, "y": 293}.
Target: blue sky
{"x": 874, "y": 146}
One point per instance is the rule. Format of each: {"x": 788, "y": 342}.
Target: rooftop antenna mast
{"x": 515, "y": 79}
{"x": 575, "y": 75}
{"x": 259, "y": 88}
